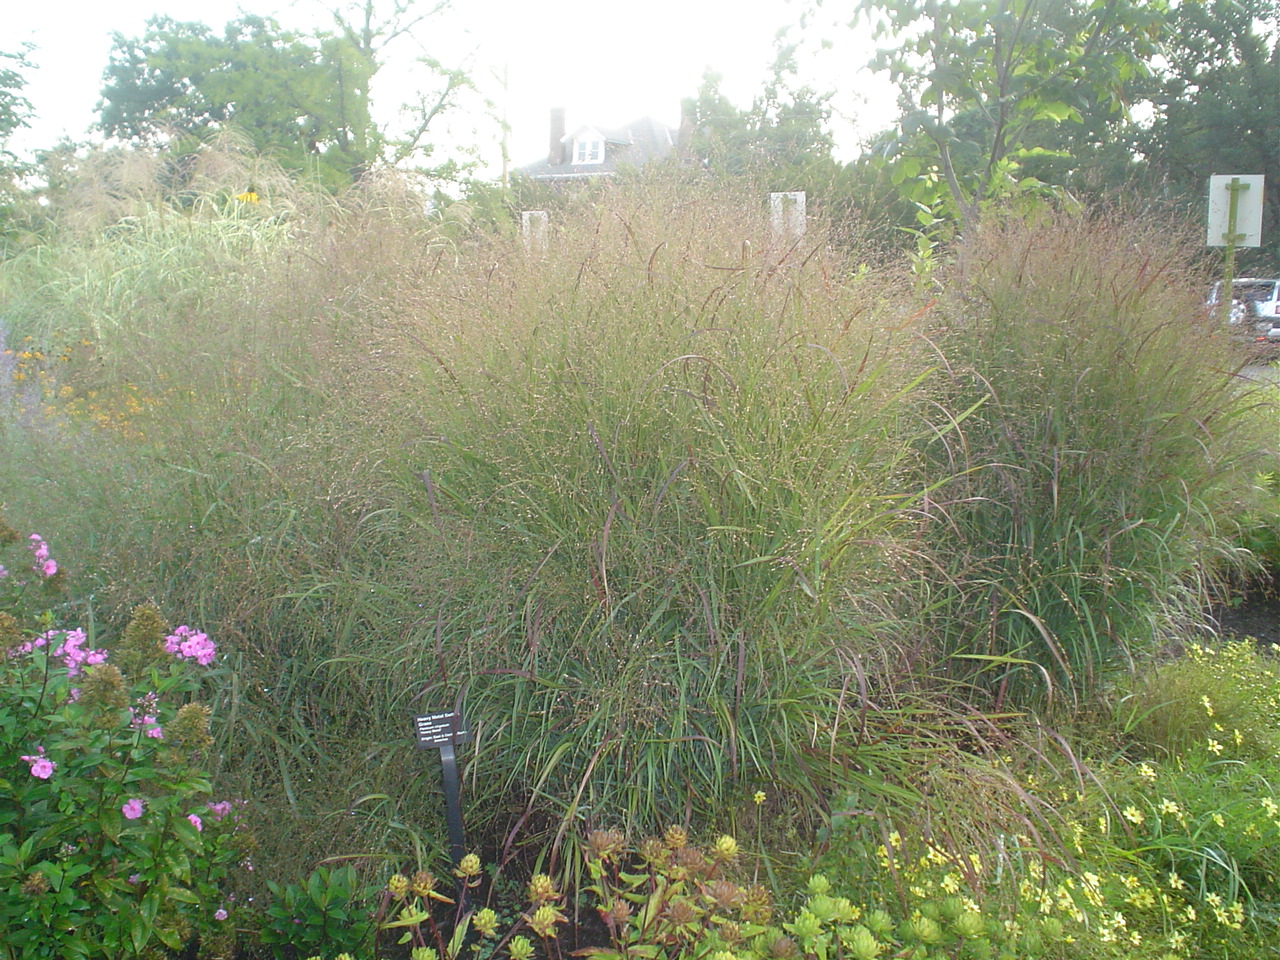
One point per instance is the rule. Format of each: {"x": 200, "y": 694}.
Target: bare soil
{"x": 1255, "y": 614}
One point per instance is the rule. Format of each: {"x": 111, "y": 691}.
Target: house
{"x": 595, "y": 152}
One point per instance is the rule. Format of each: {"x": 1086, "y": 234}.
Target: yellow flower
{"x": 1144, "y": 770}
{"x": 1168, "y": 806}
{"x": 468, "y": 866}
{"x": 1208, "y": 705}
{"x": 1215, "y": 746}
{"x": 1217, "y": 818}
{"x": 249, "y": 196}
{"x": 758, "y": 797}
{"x": 1134, "y": 815}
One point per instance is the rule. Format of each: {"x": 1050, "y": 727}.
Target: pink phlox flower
{"x": 220, "y": 809}
{"x": 196, "y": 822}
{"x": 147, "y": 723}
{"x": 3, "y": 572}
{"x": 219, "y": 914}
{"x": 40, "y": 552}
{"x": 41, "y": 766}
{"x": 29, "y": 645}
{"x": 72, "y": 653}
{"x": 132, "y": 809}
{"x": 188, "y": 644}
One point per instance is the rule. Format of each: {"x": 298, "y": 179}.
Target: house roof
{"x": 630, "y": 146}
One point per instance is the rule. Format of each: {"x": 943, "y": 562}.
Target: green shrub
{"x": 330, "y": 912}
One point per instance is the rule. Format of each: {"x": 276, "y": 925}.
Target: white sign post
{"x": 787, "y": 215}
{"x": 533, "y": 229}
{"x": 1235, "y": 220}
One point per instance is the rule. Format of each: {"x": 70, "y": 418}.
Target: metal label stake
{"x": 444, "y": 731}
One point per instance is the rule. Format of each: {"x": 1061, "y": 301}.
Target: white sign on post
{"x": 533, "y": 229}
{"x": 1248, "y": 210}
{"x": 786, "y": 214}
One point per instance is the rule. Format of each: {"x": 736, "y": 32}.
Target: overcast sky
{"x": 607, "y": 62}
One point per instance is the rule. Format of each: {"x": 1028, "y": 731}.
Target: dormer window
{"x": 588, "y": 150}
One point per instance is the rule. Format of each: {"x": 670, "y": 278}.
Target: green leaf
{"x": 1056, "y": 110}
{"x": 111, "y": 822}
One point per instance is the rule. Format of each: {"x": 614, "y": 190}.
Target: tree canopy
{"x": 783, "y": 132}
{"x": 981, "y": 79}
{"x": 15, "y": 111}
{"x": 303, "y": 98}
{"x": 297, "y": 97}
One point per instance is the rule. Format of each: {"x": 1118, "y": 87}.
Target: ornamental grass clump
{"x": 664, "y": 466}
{"x": 1096, "y": 489}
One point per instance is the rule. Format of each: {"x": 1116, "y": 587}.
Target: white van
{"x": 1253, "y": 301}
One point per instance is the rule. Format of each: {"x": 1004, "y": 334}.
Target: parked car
{"x": 1255, "y": 304}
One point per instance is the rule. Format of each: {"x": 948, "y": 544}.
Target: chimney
{"x": 556, "y": 156}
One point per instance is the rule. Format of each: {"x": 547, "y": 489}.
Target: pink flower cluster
{"x": 43, "y": 563}
{"x": 187, "y": 644}
{"x": 70, "y": 651}
{"x": 41, "y": 766}
{"x": 147, "y": 723}
{"x": 220, "y": 809}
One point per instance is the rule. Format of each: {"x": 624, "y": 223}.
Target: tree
{"x": 304, "y": 98}
{"x": 981, "y": 80}
{"x": 370, "y": 30}
{"x": 782, "y": 133}
{"x": 296, "y": 97}
{"x": 15, "y": 111}
{"x": 1216, "y": 105}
